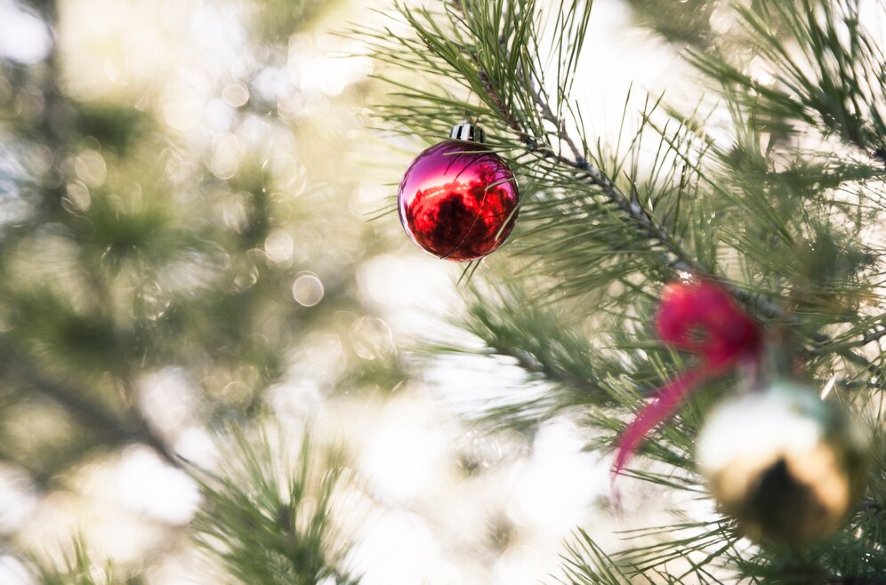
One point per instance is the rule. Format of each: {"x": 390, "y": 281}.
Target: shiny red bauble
{"x": 458, "y": 200}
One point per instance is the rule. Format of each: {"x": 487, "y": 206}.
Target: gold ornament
{"x": 785, "y": 464}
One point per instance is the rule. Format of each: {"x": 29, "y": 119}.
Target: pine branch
{"x": 562, "y": 369}
{"x": 78, "y": 568}
{"x": 871, "y": 506}
{"x": 91, "y": 415}
{"x": 678, "y": 260}
{"x": 681, "y": 260}
{"x": 873, "y": 336}
{"x": 54, "y": 130}
{"x": 833, "y": 80}
{"x": 588, "y": 564}
{"x": 605, "y": 220}
{"x": 268, "y": 517}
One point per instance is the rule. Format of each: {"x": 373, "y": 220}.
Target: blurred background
{"x": 194, "y": 236}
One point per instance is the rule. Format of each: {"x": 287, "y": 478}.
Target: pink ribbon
{"x": 697, "y": 316}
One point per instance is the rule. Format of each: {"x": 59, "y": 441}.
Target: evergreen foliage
{"x": 268, "y": 515}
{"x": 125, "y": 254}
{"x": 781, "y": 211}
{"x": 122, "y": 253}
{"x": 80, "y": 569}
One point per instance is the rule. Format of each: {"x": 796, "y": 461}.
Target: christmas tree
{"x": 693, "y": 281}
{"x": 752, "y": 202}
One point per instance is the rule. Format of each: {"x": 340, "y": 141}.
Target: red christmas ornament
{"x": 698, "y": 316}
{"x": 457, "y": 199}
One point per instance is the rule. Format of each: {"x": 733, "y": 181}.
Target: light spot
{"x": 147, "y": 485}
{"x": 225, "y": 159}
{"x": 13, "y": 572}
{"x": 17, "y": 498}
{"x": 23, "y": 37}
{"x": 279, "y": 247}
{"x": 90, "y": 167}
{"x": 371, "y": 338}
{"x": 77, "y": 198}
{"x": 235, "y": 95}
{"x": 307, "y": 290}
{"x": 405, "y": 455}
{"x": 169, "y": 400}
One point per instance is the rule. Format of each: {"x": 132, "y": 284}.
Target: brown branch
{"x": 89, "y": 414}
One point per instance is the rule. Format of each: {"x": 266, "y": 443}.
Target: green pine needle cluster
{"x": 268, "y": 516}
{"x": 79, "y": 568}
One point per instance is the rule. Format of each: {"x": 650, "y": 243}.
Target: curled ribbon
{"x": 697, "y": 316}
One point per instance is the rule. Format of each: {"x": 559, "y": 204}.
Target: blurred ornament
{"x": 457, "y": 199}
{"x": 701, "y": 317}
{"x": 785, "y": 464}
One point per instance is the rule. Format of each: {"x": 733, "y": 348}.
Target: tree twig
{"x": 87, "y": 413}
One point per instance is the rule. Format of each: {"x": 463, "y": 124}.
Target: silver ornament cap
{"x": 468, "y": 132}
{"x": 785, "y": 464}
